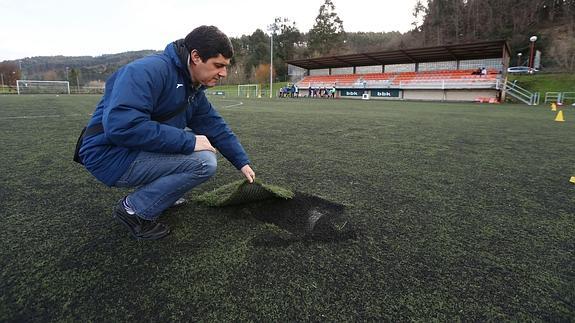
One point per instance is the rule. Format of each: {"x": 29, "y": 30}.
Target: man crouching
{"x": 154, "y": 129}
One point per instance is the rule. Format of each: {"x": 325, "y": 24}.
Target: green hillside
{"x": 556, "y": 82}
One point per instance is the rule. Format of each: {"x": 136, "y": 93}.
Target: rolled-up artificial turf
{"x": 242, "y": 192}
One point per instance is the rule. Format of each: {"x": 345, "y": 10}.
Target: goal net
{"x": 42, "y": 87}
{"x": 248, "y": 90}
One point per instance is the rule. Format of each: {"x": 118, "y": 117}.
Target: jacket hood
{"x": 179, "y": 54}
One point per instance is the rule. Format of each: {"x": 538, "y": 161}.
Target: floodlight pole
{"x": 533, "y": 39}
{"x": 271, "y": 63}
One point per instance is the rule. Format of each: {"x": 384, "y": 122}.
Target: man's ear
{"x": 195, "y": 57}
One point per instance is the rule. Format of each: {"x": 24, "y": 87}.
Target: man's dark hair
{"x": 209, "y": 42}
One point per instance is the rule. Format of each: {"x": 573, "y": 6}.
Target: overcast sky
{"x": 77, "y": 27}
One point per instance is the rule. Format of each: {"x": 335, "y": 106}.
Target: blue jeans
{"x": 161, "y": 179}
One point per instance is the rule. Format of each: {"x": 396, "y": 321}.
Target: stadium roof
{"x": 480, "y": 50}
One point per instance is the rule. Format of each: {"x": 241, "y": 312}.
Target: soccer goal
{"x": 248, "y": 90}
{"x": 42, "y": 87}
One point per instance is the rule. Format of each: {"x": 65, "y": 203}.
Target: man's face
{"x": 209, "y": 72}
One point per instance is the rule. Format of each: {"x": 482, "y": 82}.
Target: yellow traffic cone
{"x": 553, "y": 106}
{"x": 559, "y": 116}
{"x": 572, "y": 180}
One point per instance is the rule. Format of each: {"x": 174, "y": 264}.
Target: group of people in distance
{"x": 289, "y": 91}
{"x": 292, "y": 91}
{"x": 321, "y": 92}
{"x": 480, "y": 71}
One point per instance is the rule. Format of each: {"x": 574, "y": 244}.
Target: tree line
{"x": 455, "y": 21}
{"x": 435, "y": 22}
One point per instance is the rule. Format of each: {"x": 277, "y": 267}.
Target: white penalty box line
{"x": 42, "y": 116}
{"x": 234, "y": 104}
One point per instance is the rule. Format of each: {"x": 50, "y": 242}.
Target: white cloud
{"x": 74, "y": 27}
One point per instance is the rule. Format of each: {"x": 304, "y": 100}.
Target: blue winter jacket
{"x": 140, "y": 91}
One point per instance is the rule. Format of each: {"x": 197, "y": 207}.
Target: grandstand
{"x": 442, "y": 73}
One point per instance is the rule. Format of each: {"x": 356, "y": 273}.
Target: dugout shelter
{"x": 456, "y": 72}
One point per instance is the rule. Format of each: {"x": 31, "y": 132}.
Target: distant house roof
{"x": 479, "y": 50}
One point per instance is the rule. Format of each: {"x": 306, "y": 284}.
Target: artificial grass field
{"x": 459, "y": 212}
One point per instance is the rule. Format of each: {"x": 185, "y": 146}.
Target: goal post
{"x": 248, "y": 90}
{"x": 42, "y": 87}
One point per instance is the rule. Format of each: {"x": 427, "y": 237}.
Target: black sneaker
{"x": 139, "y": 228}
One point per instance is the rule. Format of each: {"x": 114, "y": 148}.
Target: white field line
{"x": 236, "y": 104}
{"x": 43, "y": 116}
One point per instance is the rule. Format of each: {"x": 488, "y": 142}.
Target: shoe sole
{"x": 155, "y": 236}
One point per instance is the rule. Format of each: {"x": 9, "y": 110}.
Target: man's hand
{"x": 248, "y": 173}
{"x": 202, "y": 143}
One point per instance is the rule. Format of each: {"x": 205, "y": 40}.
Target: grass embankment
{"x": 456, "y": 212}
{"x": 541, "y": 82}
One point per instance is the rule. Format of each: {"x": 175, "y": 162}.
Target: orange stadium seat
{"x": 403, "y": 77}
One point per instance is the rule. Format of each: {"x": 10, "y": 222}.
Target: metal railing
{"x": 521, "y": 94}
{"x": 411, "y": 84}
{"x": 552, "y": 97}
{"x": 567, "y": 96}
{"x": 559, "y": 97}
{"x": 450, "y": 84}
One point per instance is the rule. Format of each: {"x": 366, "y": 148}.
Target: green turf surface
{"x": 461, "y": 212}
{"x": 242, "y": 192}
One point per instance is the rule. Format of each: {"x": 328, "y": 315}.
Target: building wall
{"x": 449, "y": 95}
{"x": 469, "y": 95}
{"x": 296, "y": 73}
{"x": 342, "y": 70}
{"x": 491, "y": 63}
{"x": 428, "y": 95}
{"x": 318, "y": 72}
{"x": 423, "y": 95}
{"x": 368, "y": 69}
{"x": 434, "y": 66}
{"x": 396, "y": 68}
